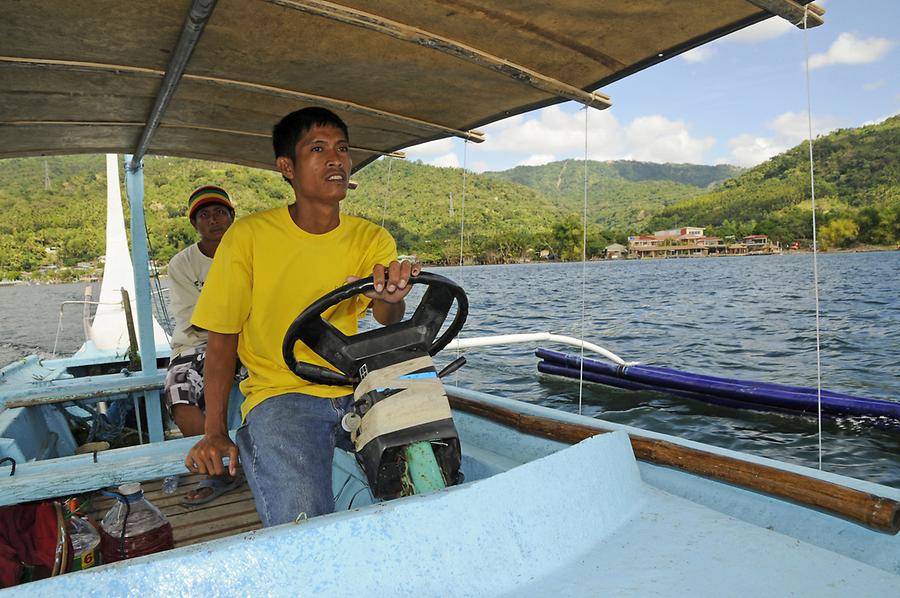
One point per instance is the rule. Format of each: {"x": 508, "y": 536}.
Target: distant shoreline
{"x": 860, "y": 249}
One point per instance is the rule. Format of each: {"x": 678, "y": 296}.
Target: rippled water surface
{"x": 742, "y": 317}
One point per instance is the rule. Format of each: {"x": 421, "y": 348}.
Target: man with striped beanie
{"x": 211, "y": 213}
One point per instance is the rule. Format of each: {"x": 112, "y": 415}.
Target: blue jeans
{"x": 287, "y": 446}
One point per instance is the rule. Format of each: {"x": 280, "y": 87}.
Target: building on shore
{"x": 683, "y": 234}
{"x": 691, "y": 241}
{"x": 758, "y": 244}
{"x": 616, "y": 251}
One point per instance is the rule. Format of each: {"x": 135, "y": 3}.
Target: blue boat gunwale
{"x": 513, "y": 448}
{"x": 491, "y": 545}
{"x": 866, "y": 506}
{"x": 874, "y": 506}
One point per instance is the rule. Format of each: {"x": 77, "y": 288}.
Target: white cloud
{"x": 537, "y": 160}
{"x": 699, "y": 54}
{"x": 789, "y": 129}
{"x": 432, "y": 148}
{"x": 446, "y": 161}
{"x": 548, "y": 131}
{"x": 764, "y": 30}
{"x": 874, "y": 85}
{"x": 553, "y": 132}
{"x": 479, "y": 166}
{"x": 747, "y": 150}
{"x": 657, "y": 139}
{"x": 878, "y": 120}
{"x": 849, "y": 49}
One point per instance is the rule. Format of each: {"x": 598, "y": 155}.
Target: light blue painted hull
{"x": 535, "y": 517}
{"x": 578, "y": 522}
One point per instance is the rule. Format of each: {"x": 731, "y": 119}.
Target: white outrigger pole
{"x": 536, "y": 337}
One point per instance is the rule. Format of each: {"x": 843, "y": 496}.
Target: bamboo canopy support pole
{"x": 427, "y": 39}
{"x": 876, "y": 512}
{"x": 792, "y": 11}
{"x": 86, "y": 312}
{"x": 134, "y": 353}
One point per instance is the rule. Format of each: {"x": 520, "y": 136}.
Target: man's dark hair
{"x": 295, "y": 125}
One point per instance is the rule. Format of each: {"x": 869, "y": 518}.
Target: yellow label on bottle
{"x": 86, "y": 560}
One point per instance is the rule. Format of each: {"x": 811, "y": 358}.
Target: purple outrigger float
{"x": 729, "y": 392}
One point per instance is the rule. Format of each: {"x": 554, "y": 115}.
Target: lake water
{"x": 751, "y": 317}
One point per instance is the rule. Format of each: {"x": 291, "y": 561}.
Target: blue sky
{"x": 739, "y": 100}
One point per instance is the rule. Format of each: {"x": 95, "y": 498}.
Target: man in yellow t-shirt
{"x": 269, "y": 267}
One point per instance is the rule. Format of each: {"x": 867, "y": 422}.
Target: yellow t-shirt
{"x": 266, "y": 271}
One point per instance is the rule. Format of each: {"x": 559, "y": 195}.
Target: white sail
{"x": 109, "y": 331}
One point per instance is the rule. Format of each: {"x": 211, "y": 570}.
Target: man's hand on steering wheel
{"x": 392, "y": 281}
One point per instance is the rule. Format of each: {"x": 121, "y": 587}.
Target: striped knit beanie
{"x": 205, "y": 195}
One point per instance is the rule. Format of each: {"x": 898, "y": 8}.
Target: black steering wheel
{"x": 374, "y": 348}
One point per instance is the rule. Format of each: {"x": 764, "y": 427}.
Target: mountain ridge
{"x": 509, "y": 215}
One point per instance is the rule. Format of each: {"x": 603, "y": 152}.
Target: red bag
{"x": 33, "y": 535}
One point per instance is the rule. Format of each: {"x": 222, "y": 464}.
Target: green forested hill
{"x": 69, "y": 218}
{"x": 857, "y": 193}
{"x": 503, "y": 219}
{"x": 508, "y": 215}
{"x": 423, "y": 205}
{"x": 622, "y": 194}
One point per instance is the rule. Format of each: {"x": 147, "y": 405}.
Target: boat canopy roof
{"x": 208, "y": 79}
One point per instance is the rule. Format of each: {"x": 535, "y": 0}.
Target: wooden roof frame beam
{"x": 194, "y": 24}
{"x": 333, "y": 103}
{"x": 414, "y": 35}
{"x": 111, "y": 123}
{"x": 793, "y": 12}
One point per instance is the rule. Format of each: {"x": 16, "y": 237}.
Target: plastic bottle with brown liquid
{"x": 146, "y": 529}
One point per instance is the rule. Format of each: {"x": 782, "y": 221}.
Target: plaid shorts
{"x": 184, "y": 380}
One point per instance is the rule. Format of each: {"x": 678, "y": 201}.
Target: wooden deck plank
{"x": 153, "y": 492}
{"x": 219, "y": 534}
{"x": 194, "y": 531}
{"x": 212, "y": 512}
{"x": 232, "y": 513}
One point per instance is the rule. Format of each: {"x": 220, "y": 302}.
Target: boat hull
{"x": 535, "y": 514}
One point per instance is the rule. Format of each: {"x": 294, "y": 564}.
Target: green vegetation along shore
{"x": 52, "y": 209}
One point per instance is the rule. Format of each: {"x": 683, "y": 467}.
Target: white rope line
{"x": 387, "y": 192}
{"x": 58, "y": 330}
{"x": 462, "y": 208}
{"x": 583, "y": 262}
{"x": 62, "y": 305}
{"x": 812, "y": 188}
{"x": 462, "y": 237}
